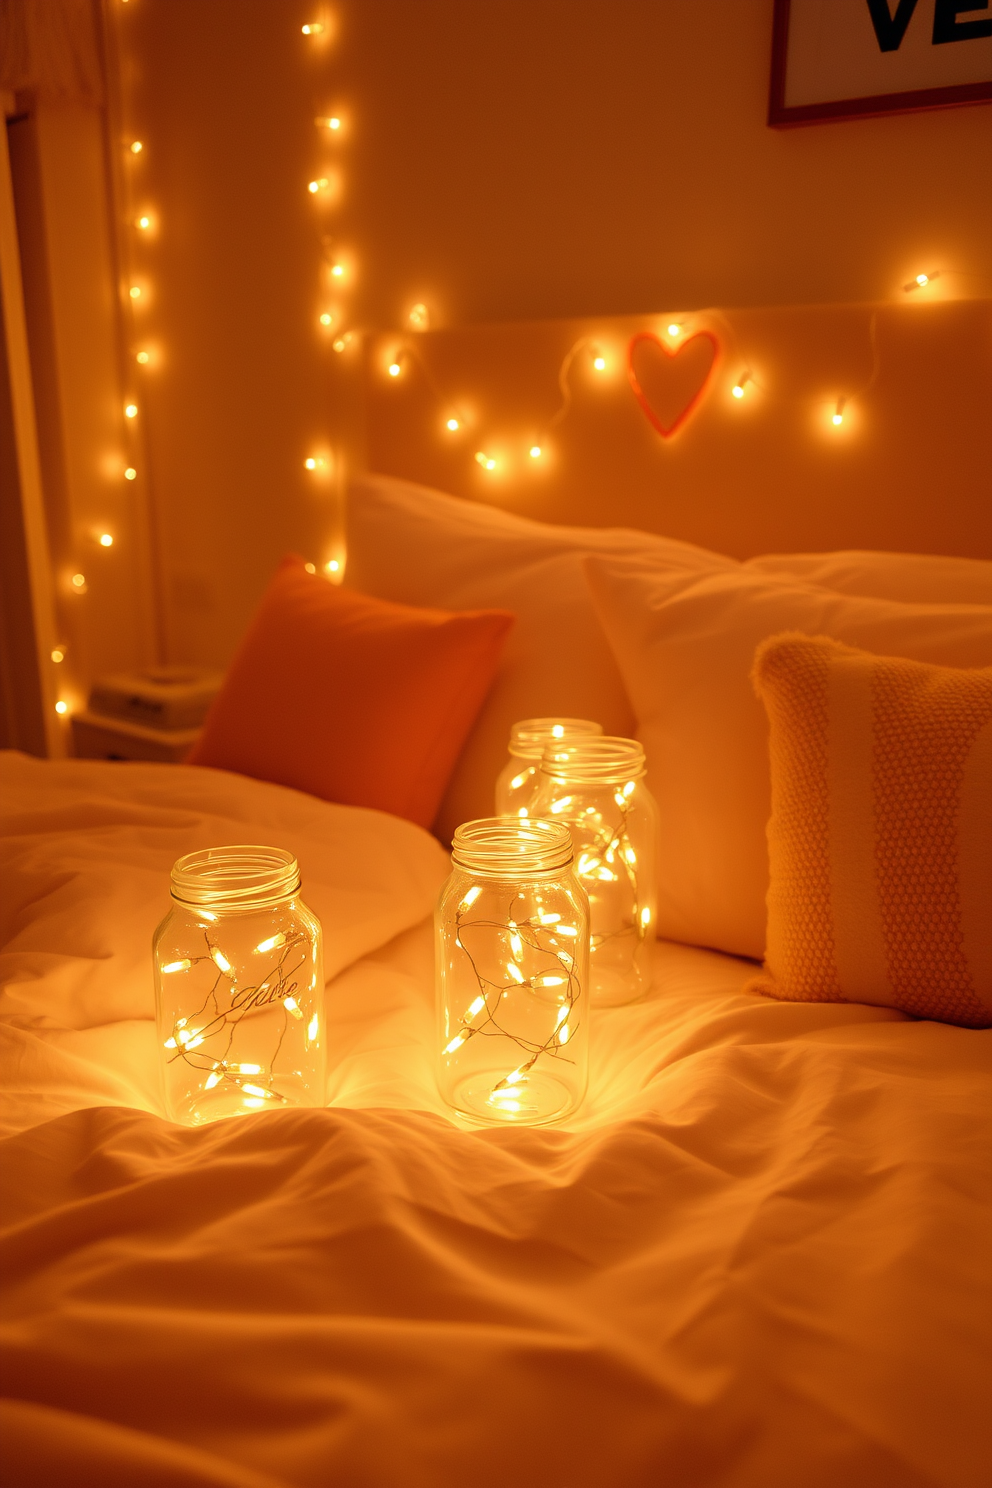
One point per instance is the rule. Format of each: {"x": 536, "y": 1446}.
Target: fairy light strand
{"x": 599, "y": 859}
{"x": 276, "y": 986}
{"x": 546, "y": 937}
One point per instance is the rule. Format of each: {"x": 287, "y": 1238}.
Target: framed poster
{"x": 848, "y": 59}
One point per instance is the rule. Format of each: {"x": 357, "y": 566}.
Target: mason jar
{"x": 517, "y": 781}
{"x": 595, "y": 786}
{"x": 239, "y": 987}
{"x": 512, "y": 951}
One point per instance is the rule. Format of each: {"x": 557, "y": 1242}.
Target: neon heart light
{"x": 683, "y": 389}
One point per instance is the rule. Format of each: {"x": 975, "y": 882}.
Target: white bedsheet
{"x": 757, "y": 1256}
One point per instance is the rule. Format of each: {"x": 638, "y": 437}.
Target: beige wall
{"x": 500, "y": 160}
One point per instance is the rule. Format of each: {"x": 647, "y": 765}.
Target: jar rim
{"x": 605, "y": 760}
{"x": 235, "y": 877}
{"x": 510, "y": 847}
{"x": 529, "y": 736}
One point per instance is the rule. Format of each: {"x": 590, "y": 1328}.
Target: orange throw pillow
{"x": 880, "y": 838}
{"x": 352, "y": 699}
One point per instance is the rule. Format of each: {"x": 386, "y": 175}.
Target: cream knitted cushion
{"x": 880, "y": 838}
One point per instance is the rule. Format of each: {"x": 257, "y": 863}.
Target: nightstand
{"x": 94, "y": 736}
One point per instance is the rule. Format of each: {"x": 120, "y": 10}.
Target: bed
{"x": 753, "y": 1259}
{"x": 757, "y": 1255}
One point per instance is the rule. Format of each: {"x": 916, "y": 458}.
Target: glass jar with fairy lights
{"x": 595, "y": 787}
{"x": 512, "y": 928}
{"x": 517, "y": 782}
{"x": 239, "y": 987}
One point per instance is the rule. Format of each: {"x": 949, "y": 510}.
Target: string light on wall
{"x": 106, "y": 540}
{"x": 130, "y": 410}
{"x": 58, "y": 655}
{"x": 136, "y": 147}
{"x": 61, "y": 707}
{"x": 130, "y": 473}
{"x": 313, "y": 28}
{"x": 674, "y": 329}
{"x": 143, "y": 358}
{"x": 419, "y": 317}
{"x": 921, "y": 281}
{"x": 333, "y": 123}
{"x": 536, "y": 449}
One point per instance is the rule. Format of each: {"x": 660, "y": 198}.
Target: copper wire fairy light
{"x": 188, "y": 1034}
{"x": 544, "y": 939}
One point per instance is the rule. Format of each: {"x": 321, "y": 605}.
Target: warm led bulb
{"x": 394, "y": 369}
{"x": 838, "y": 418}
{"x": 135, "y": 292}
{"x": 326, "y": 319}
{"x": 144, "y": 223}
{"x": 106, "y": 540}
{"x": 79, "y": 581}
{"x": 136, "y": 147}
{"x": 332, "y": 565}
{"x": 340, "y": 343}
{"x": 453, "y": 425}
{"x": 130, "y": 473}
{"x": 419, "y": 317}
{"x": 130, "y": 410}
{"x": 310, "y": 567}
{"x": 838, "y": 415}
{"x": 310, "y": 464}
{"x": 599, "y": 363}
{"x": 535, "y": 451}
{"x": 337, "y": 270}
{"x": 61, "y": 707}
{"x": 312, "y": 28}
{"x": 674, "y": 328}
{"x": 486, "y": 461}
{"x": 318, "y": 185}
{"x": 58, "y": 654}
{"x": 143, "y": 357}
{"x": 737, "y": 392}
{"x": 922, "y": 279}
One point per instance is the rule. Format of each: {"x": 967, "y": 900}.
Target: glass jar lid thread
{"x": 504, "y": 848}
{"x": 605, "y": 760}
{"x": 530, "y": 737}
{"x": 239, "y": 877}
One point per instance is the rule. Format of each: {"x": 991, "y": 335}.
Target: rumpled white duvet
{"x": 759, "y": 1258}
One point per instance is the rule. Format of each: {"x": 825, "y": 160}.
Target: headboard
{"x": 853, "y": 426}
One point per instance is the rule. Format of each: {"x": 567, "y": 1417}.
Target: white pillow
{"x": 685, "y": 652}
{"x": 420, "y": 547}
{"x": 912, "y": 578}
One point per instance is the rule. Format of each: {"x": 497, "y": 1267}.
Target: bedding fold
{"x": 87, "y": 849}
{"x": 755, "y": 1258}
